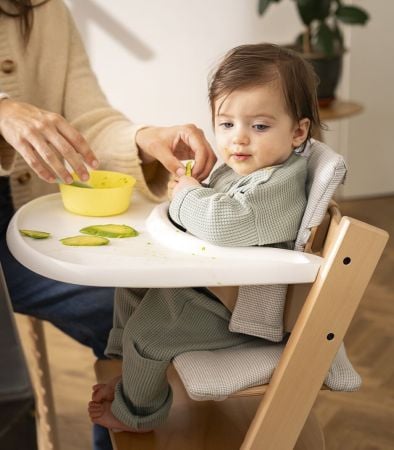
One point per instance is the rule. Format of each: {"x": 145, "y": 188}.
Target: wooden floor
{"x": 363, "y": 420}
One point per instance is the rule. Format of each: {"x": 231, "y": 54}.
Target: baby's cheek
{"x": 222, "y": 152}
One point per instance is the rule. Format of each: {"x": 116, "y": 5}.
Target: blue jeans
{"x": 82, "y": 312}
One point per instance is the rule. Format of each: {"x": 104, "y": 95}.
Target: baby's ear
{"x": 301, "y": 132}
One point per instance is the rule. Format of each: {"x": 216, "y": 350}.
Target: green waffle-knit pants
{"x": 151, "y": 327}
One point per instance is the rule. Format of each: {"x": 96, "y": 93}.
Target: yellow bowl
{"x": 111, "y": 194}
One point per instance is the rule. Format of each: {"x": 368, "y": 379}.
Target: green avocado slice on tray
{"x": 84, "y": 241}
{"x": 110, "y": 231}
{"x": 35, "y": 234}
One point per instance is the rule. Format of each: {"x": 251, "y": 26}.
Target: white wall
{"x": 152, "y": 59}
{"x": 371, "y": 76}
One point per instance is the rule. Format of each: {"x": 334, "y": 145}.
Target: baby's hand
{"x": 176, "y": 185}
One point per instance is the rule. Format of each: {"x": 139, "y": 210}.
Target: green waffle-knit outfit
{"x": 152, "y": 326}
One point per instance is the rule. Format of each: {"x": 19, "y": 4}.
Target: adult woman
{"x": 52, "y": 111}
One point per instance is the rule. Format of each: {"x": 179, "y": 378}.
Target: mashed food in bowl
{"x": 111, "y": 194}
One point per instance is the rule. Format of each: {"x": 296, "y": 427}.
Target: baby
{"x": 263, "y": 103}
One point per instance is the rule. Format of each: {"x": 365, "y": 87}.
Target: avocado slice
{"x": 110, "y": 231}
{"x": 81, "y": 241}
{"x": 189, "y": 168}
{"x": 35, "y": 234}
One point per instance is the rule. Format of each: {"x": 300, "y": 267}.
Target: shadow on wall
{"x": 90, "y": 11}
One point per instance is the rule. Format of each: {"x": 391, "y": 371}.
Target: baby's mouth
{"x": 240, "y": 156}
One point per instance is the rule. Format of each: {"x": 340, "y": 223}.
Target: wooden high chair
{"x": 277, "y": 415}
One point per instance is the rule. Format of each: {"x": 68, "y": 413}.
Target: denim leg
{"x": 101, "y": 439}
{"x": 82, "y": 312}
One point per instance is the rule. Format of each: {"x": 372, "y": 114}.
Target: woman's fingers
{"x": 170, "y": 144}
{"x": 50, "y": 156}
{"x": 78, "y": 143}
{"x": 67, "y": 152}
{"x": 163, "y": 153}
{"x": 203, "y": 155}
{"x": 32, "y": 130}
{"x": 35, "y": 162}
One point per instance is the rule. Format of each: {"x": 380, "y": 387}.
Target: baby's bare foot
{"x": 105, "y": 392}
{"x": 101, "y": 414}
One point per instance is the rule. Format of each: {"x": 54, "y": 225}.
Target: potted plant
{"x": 321, "y": 42}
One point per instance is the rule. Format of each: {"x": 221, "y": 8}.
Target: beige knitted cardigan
{"x": 53, "y": 73}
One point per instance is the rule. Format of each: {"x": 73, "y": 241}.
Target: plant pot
{"x": 328, "y": 70}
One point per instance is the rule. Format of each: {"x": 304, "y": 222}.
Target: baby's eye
{"x": 226, "y": 125}
{"x": 260, "y": 127}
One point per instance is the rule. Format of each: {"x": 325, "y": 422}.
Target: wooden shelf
{"x": 340, "y": 109}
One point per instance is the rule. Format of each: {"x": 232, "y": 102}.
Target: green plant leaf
{"x": 310, "y": 10}
{"x": 338, "y": 36}
{"x": 324, "y": 40}
{"x": 352, "y": 15}
{"x": 263, "y": 5}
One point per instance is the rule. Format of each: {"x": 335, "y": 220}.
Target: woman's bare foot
{"x": 101, "y": 414}
{"x": 105, "y": 392}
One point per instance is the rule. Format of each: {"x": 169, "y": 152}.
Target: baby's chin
{"x": 244, "y": 171}
{"x": 244, "y": 168}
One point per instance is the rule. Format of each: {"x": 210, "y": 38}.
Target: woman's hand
{"x": 169, "y": 145}
{"x": 177, "y": 184}
{"x": 45, "y": 140}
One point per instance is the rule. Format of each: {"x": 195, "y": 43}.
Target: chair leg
{"x": 47, "y": 430}
{"x": 311, "y": 437}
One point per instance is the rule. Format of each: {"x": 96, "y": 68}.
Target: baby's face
{"x": 253, "y": 129}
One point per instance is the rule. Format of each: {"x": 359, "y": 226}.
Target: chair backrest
{"x": 259, "y": 310}
{"x": 326, "y": 170}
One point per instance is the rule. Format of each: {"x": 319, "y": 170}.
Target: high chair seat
{"x": 259, "y": 310}
{"x": 215, "y": 375}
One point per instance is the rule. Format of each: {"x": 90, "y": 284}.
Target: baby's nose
{"x": 241, "y": 138}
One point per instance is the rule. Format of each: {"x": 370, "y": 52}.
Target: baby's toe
{"x": 97, "y": 396}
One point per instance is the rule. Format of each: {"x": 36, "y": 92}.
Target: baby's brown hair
{"x": 257, "y": 64}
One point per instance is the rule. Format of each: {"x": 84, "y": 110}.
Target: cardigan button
{"x": 24, "y": 178}
{"x": 8, "y": 66}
